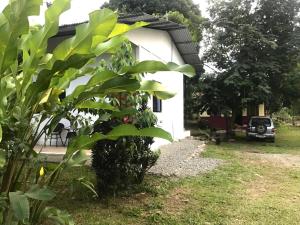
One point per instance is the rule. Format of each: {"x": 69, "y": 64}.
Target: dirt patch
{"x": 260, "y": 187}
{"x": 134, "y": 200}
{"x": 177, "y": 201}
{"x": 273, "y": 179}
{"x": 277, "y": 160}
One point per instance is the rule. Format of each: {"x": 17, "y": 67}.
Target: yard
{"x": 259, "y": 183}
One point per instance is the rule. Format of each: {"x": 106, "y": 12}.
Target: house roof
{"x": 179, "y": 34}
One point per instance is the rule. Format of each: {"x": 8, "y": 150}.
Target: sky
{"x": 79, "y": 11}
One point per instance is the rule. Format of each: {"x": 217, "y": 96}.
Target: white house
{"x": 164, "y": 41}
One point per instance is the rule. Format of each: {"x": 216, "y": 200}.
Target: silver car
{"x": 261, "y": 127}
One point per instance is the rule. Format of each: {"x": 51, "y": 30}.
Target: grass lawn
{"x": 259, "y": 183}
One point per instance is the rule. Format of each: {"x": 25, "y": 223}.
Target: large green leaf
{"x": 101, "y": 34}
{"x": 109, "y": 46}
{"x": 14, "y": 23}
{"x": 78, "y": 158}
{"x": 121, "y": 28}
{"x": 98, "y": 78}
{"x": 38, "y": 193}
{"x": 130, "y": 130}
{"x": 44, "y": 78}
{"x": 20, "y": 205}
{"x": 156, "y": 88}
{"x": 151, "y": 66}
{"x": 86, "y": 141}
{"x": 101, "y": 24}
{"x": 88, "y": 41}
{"x": 112, "y": 82}
{"x": 114, "y": 85}
{"x": 63, "y": 82}
{"x": 36, "y": 42}
{"x": 83, "y": 142}
{"x": 118, "y": 84}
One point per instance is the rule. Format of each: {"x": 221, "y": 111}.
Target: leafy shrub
{"x": 123, "y": 162}
{"x": 283, "y": 116}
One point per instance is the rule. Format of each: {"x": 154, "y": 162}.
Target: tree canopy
{"x": 254, "y": 47}
{"x": 180, "y": 11}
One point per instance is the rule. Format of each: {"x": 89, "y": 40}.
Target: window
{"x": 157, "y": 104}
{"x": 260, "y": 121}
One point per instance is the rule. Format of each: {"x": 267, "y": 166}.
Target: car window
{"x": 260, "y": 121}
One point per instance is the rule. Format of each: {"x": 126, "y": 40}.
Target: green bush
{"x": 283, "y": 116}
{"x": 123, "y": 162}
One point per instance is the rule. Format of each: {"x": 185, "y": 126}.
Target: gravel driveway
{"x": 183, "y": 159}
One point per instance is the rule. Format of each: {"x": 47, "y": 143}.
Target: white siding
{"x": 158, "y": 45}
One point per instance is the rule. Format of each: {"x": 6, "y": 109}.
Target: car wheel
{"x": 273, "y": 140}
{"x": 261, "y": 129}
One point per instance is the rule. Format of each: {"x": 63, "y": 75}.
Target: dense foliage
{"x": 32, "y": 79}
{"x": 279, "y": 22}
{"x": 253, "y": 47}
{"x": 123, "y": 162}
{"x": 180, "y": 11}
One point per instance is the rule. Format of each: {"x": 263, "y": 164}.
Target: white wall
{"x": 158, "y": 45}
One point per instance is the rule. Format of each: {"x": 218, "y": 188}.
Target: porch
{"x": 53, "y": 153}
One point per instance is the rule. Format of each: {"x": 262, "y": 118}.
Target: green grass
{"x": 246, "y": 189}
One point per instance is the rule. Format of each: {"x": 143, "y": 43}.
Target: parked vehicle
{"x": 261, "y": 128}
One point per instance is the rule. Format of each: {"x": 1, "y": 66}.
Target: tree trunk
{"x": 230, "y": 132}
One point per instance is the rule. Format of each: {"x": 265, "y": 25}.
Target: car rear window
{"x": 260, "y": 121}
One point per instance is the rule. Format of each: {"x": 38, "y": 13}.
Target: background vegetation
{"x": 181, "y": 11}
{"x": 253, "y": 50}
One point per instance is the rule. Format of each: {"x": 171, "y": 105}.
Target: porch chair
{"x": 56, "y": 134}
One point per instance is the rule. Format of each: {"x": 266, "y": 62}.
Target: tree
{"x": 31, "y": 81}
{"x": 235, "y": 50}
{"x": 180, "y": 11}
{"x": 278, "y": 21}
{"x": 248, "y": 52}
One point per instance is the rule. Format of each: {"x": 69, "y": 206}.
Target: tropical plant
{"x": 121, "y": 163}
{"x": 32, "y": 79}
{"x": 124, "y": 162}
